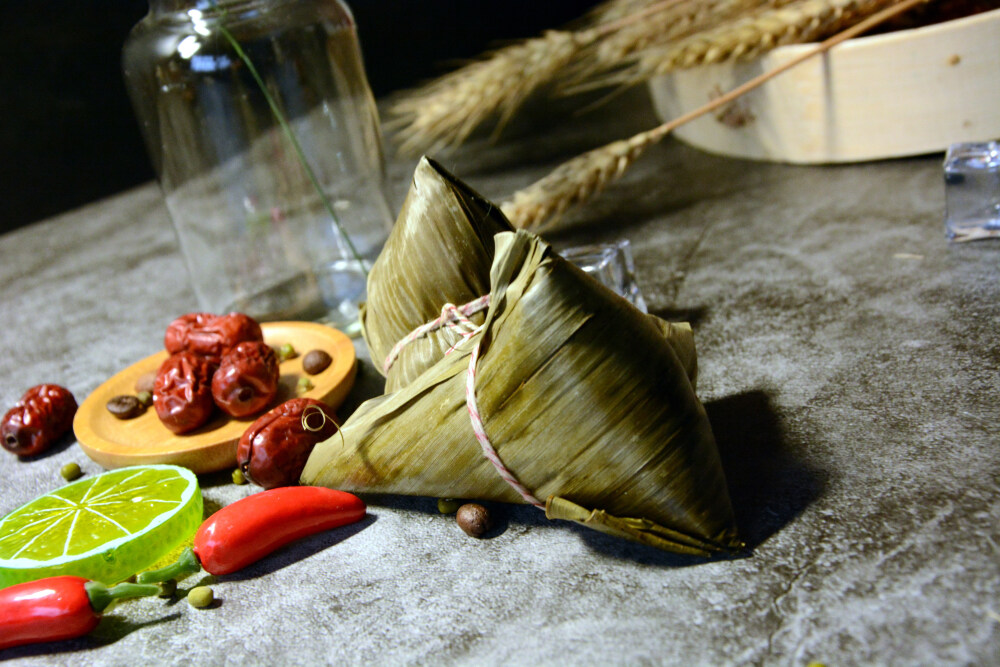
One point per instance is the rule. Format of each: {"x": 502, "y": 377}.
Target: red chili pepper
{"x": 57, "y": 608}
{"x": 251, "y": 528}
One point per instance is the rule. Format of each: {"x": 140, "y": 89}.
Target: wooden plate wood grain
{"x": 115, "y": 443}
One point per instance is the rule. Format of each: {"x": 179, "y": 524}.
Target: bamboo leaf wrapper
{"x": 584, "y": 398}
{"x": 439, "y": 251}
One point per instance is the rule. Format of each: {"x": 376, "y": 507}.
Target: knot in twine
{"x": 456, "y": 319}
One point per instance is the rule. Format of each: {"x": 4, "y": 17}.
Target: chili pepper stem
{"x": 187, "y": 563}
{"x": 101, "y": 596}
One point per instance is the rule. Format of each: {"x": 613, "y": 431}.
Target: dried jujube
{"x": 42, "y": 416}
{"x": 210, "y": 335}
{"x": 273, "y": 451}
{"x": 246, "y": 380}
{"x": 176, "y": 337}
{"x": 182, "y": 393}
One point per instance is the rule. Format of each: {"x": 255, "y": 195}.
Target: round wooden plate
{"x": 115, "y": 443}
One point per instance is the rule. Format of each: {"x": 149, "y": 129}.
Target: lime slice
{"x": 105, "y": 528}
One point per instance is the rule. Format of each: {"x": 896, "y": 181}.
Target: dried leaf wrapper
{"x": 589, "y": 402}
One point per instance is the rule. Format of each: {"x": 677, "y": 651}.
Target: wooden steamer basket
{"x": 896, "y": 94}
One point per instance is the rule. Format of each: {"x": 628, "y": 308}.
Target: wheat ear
{"x": 748, "y": 37}
{"x": 615, "y": 10}
{"x": 580, "y": 178}
{"x": 444, "y": 113}
{"x": 684, "y": 18}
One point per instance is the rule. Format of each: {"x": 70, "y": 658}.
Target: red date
{"x": 175, "y": 339}
{"x": 42, "y": 416}
{"x": 210, "y": 335}
{"x": 247, "y": 379}
{"x": 182, "y": 392}
{"x": 273, "y": 451}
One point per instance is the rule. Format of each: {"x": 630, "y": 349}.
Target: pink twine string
{"x": 484, "y": 441}
{"x": 456, "y": 319}
{"x": 453, "y": 317}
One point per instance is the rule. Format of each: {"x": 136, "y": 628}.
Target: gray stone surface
{"x": 849, "y": 362}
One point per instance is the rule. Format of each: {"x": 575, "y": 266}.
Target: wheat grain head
{"x": 673, "y": 21}
{"x": 753, "y": 34}
{"x": 576, "y": 181}
{"x": 443, "y": 114}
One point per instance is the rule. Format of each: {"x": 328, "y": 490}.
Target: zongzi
{"x": 582, "y": 399}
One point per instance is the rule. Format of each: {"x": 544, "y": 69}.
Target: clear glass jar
{"x": 264, "y": 134}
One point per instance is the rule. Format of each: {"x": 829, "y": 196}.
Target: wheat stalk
{"x": 580, "y": 178}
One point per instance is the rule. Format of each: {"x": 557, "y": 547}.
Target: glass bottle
{"x": 264, "y": 135}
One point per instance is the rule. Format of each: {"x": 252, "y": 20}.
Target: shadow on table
{"x": 111, "y": 629}
{"x": 693, "y": 316}
{"x": 769, "y": 486}
{"x": 299, "y": 550}
{"x": 61, "y": 444}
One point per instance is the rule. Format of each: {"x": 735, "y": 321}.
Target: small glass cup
{"x": 611, "y": 264}
{"x": 972, "y": 191}
{"x": 264, "y": 134}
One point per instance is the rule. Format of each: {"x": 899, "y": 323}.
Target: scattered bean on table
{"x": 201, "y": 597}
{"x": 70, "y": 471}
{"x": 474, "y": 519}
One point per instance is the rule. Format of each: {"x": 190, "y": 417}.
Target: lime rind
{"x": 135, "y": 542}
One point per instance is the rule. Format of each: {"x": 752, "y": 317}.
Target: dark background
{"x": 67, "y": 133}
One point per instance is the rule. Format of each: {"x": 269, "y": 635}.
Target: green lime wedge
{"x": 105, "y": 528}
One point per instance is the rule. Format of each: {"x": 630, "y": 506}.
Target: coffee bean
{"x": 126, "y": 406}
{"x": 316, "y": 361}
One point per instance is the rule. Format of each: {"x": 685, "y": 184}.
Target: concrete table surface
{"x": 849, "y": 363}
